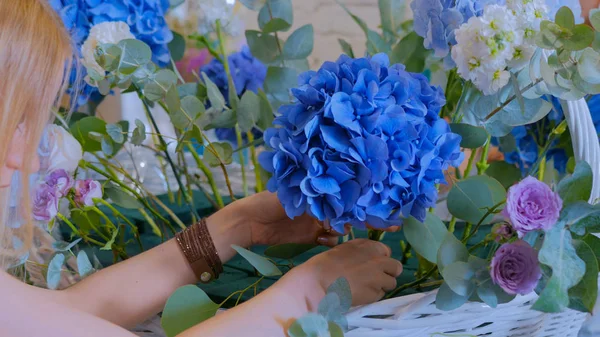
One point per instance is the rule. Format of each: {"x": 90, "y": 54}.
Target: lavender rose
{"x": 61, "y": 181}
{"x": 531, "y": 205}
{"x": 86, "y": 191}
{"x": 515, "y": 268}
{"x": 45, "y": 203}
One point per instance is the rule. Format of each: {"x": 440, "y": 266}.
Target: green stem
{"x": 232, "y": 89}
{"x": 240, "y": 142}
{"x": 375, "y": 234}
{"x": 151, "y": 222}
{"x": 488, "y": 213}
{"x": 209, "y": 176}
{"x": 276, "y": 36}
{"x": 120, "y": 215}
{"x": 470, "y": 164}
{"x": 542, "y": 169}
{"x": 87, "y": 238}
{"x": 254, "y": 158}
{"x": 167, "y": 155}
{"x": 467, "y": 230}
{"x": 405, "y": 252}
{"x": 212, "y": 149}
{"x": 412, "y": 284}
{"x": 452, "y": 224}
{"x": 511, "y": 98}
{"x": 483, "y": 165}
{"x": 449, "y": 85}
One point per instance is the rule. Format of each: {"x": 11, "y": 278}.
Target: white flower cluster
{"x": 502, "y": 38}
{"x": 209, "y": 11}
{"x": 105, "y": 32}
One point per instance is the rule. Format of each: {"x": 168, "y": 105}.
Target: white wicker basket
{"x": 417, "y": 316}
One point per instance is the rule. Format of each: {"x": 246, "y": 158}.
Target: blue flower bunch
{"x": 146, "y": 20}
{"x": 362, "y": 143}
{"x": 247, "y": 72}
{"x": 530, "y": 138}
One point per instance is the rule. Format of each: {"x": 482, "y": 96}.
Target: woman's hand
{"x": 366, "y": 265}
{"x": 268, "y": 223}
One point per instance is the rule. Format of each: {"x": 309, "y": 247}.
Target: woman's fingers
{"x": 328, "y": 240}
{"x": 388, "y": 283}
{"x": 391, "y": 267}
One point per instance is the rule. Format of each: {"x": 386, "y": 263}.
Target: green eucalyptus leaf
{"x": 582, "y": 297}
{"x": 594, "y": 243}
{"x": 121, "y": 198}
{"x": 507, "y": 174}
{"x": 248, "y": 112}
{"x": 458, "y": 276}
{"x": 472, "y": 136}
{"x": 139, "y": 133}
{"x": 341, "y": 288}
{"x": 81, "y": 131}
{"x": 217, "y": 119}
{"x": 300, "y": 44}
{"x": 280, "y": 80}
{"x": 224, "y": 152}
{"x": 356, "y": 19}
{"x": 217, "y": 101}
{"x": 288, "y": 251}
{"x": 376, "y": 43}
{"x": 583, "y": 36}
{"x": 54, "y": 271}
{"x": 410, "y": 52}
{"x": 391, "y": 12}
{"x": 581, "y": 217}
{"x": 427, "y": 237}
{"x": 487, "y": 294}
{"x": 61, "y": 246}
{"x": 330, "y": 308}
{"x": 578, "y": 186}
{"x": 262, "y": 46}
{"x": 264, "y": 266}
{"x": 558, "y": 253}
{"x": 84, "y": 220}
{"x": 451, "y": 250}
{"x": 565, "y": 18}
{"x": 172, "y": 100}
{"x": 111, "y": 242}
{"x": 588, "y": 66}
{"x": 470, "y": 199}
{"x": 276, "y": 15}
{"x": 134, "y": 54}
{"x": 84, "y": 266}
{"x": 159, "y": 84}
{"x": 265, "y": 119}
{"x": 187, "y": 307}
{"x": 309, "y": 325}
{"x": 191, "y": 109}
{"x": 107, "y": 145}
{"x": 177, "y": 47}
{"x": 447, "y": 300}
{"x": 346, "y": 47}
{"x": 254, "y": 5}
{"x": 595, "y": 18}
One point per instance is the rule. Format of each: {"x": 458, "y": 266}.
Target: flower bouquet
{"x": 367, "y": 141}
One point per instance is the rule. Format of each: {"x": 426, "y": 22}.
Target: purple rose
{"x": 515, "y": 268}
{"x": 61, "y": 181}
{"x": 45, "y": 203}
{"x": 86, "y": 191}
{"x": 531, "y": 205}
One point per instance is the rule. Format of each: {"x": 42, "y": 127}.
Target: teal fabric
{"x": 239, "y": 274}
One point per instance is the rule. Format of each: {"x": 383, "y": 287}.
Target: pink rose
{"x": 86, "y": 191}
{"x": 45, "y": 203}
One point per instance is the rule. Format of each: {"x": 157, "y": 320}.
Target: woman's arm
{"x": 132, "y": 291}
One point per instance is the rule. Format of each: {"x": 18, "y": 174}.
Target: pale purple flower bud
{"x": 86, "y": 191}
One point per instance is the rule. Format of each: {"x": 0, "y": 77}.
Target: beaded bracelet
{"x": 200, "y": 251}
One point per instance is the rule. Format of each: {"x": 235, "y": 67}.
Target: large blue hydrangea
{"x": 146, "y": 19}
{"x": 247, "y": 72}
{"x": 362, "y": 143}
{"x": 530, "y": 138}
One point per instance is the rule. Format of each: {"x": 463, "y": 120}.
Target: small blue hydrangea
{"x": 247, "y": 72}
{"x": 146, "y": 20}
{"x": 529, "y": 138}
{"x": 362, "y": 143}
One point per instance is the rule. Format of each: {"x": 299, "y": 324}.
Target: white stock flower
{"x": 64, "y": 150}
{"x": 105, "y": 32}
{"x": 209, "y": 11}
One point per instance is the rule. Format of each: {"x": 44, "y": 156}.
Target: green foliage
{"x": 217, "y": 101}
{"x": 276, "y": 15}
{"x": 109, "y": 244}
{"x": 280, "y": 80}
{"x": 558, "y": 253}
{"x": 346, "y": 47}
{"x": 159, "y": 84}
{"x": 583, "y": 296}
{"x": 451, "y": 250}
{"x": 85, "y": 219}
{"x": 311, "y": 325}
{"x": 427, "y": 237}
{"x": 121, "y": 198}
{"x": 472, "y": 137}
{"x": 61, "y": 246}
{"x": 254, "y": 5}
{"x": 264, "y": 266}
{"x": 115, "y": 132}
{"x": 134, "y": 54}
{"x": 300, "y": 44}
{"x": 391, "y": 11}
{"x": 139, "y": 133}
{"x": 263, "y": 46}
{"x": 248, "y": 112}
{"x": 448, "y": 300}
{"x": 177, "y": 47}
{"x": 265, "y": 120}
{"x": 288, "y": 251}
{"x": 507, "y": 174}
{"x": 223, "y": 154}
{"x": 81, "y": 131}
{"x": 410, "y": 52}
{"x": 54, "y": 271}
{"x": 188, "y": 306}
{"x": 84, "y": 266}
{"x": 595, "y": 18}
{"x": 577, "y": 187}
{"x": 470, "y": 199}
{"x": 581, "y": 217}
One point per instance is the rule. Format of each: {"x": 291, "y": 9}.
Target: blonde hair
{"x": 35, "y": 55}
